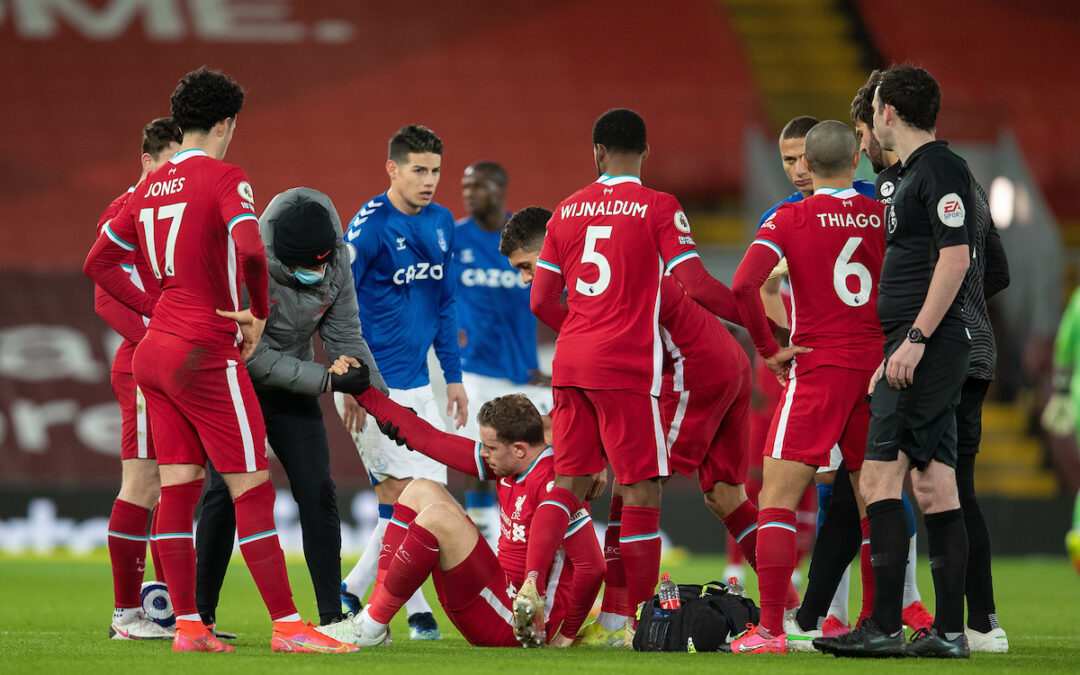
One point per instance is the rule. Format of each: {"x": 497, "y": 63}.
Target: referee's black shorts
{"x": 969, "y": 416}
{"x": 921, "y": 420}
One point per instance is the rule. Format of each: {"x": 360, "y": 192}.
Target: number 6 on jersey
{"x": 174, "y": 213}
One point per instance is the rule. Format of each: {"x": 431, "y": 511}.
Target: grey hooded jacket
{"x": 284, "y": 357}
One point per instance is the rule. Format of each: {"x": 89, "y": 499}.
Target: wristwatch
{"x": 916, "y": 336}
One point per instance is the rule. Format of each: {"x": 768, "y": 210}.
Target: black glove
{"x": 391, "y": 430}
{"x": 356, "y": 380}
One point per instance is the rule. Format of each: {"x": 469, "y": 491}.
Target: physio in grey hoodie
{"x": 311, "y": 291}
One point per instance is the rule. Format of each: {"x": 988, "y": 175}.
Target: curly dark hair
{"x": 862, "y": 106}
{"x": 203, "y": 98}
{"x": 914, "y": 93}
{"x": 158, "y": 134}
{"x": 413, "y": 138}
{"x": 514, "y": 418}
{"x": 525, "y": 230}
{"x": 620, "y": 130}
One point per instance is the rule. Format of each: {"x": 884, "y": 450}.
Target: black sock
{"x": 979, "y": 583}
{"x": 947, "y": 545}
{"x": 888, "y": 555}
{"x": 837, "y": 544}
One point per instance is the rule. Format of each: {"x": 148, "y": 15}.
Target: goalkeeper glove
{"x": 1058, "y": 416}
{"x": 356, "y": 380}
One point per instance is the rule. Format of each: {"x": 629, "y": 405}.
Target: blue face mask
{"x": 308, "y": 277}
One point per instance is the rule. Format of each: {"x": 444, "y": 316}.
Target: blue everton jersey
{"x": 401, "y": 266}
{"x": 863, "y": 187}
{"x": 493, "y": 307}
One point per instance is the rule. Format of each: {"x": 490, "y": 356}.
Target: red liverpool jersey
{"x": 834, "y": 243}
{"x": 182, "y": 217}
{"x": 701, "y": 351}
{"x": 611, "y": 243}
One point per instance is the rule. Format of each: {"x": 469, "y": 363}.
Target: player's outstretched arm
{"x": 706, "y": 290}
{"x": 547, "y": 288}
{"x": 454, "y": 451}
{"x": 752, "y": 272}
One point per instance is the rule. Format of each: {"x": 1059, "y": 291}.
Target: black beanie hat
{"x": 304, "y": 235}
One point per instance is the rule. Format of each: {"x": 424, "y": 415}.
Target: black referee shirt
{"x": 887, "y": 182}
{"x": 933, "y": 208}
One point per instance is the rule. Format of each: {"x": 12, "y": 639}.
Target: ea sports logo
{"x": 950, "y": 210}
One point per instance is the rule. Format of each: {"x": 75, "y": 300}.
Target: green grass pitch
{"x": 56, "y": 612}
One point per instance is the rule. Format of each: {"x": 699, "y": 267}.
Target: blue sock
{"x": 824, "y": 498}
{"x": 386, "y": 511}
{"x": 909, "y": 514}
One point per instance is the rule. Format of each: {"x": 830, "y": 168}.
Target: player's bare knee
{"x": 443, "y": 520}
{"x": 421, "y": 493}
{"x": 723, "y": 498}
{"x": 644, "y": 494}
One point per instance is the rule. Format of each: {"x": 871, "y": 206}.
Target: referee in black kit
{"x": 930, "y": 230}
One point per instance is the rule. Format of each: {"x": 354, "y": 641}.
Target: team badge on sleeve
{"x": 244, "y": 189}
{"x": 681, "y": 222}
{"x": 950, "y": 210}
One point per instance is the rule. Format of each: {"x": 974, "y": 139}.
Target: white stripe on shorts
{"x": 676, "y": 422}
{"x": 500, "y": 609}
{"x": 241, "y": 416}
{"x": 661, "y": 445}
{"x": 140, "y": 425}
{"x": 781, "y": 426}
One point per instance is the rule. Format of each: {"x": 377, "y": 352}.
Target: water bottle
{"x": 669, "y": 593}
{"x": 735, "y": 588}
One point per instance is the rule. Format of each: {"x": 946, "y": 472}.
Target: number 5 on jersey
{"x": 593, "y": 233}
{"x": 173, "y": 213}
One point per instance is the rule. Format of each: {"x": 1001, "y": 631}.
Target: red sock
{"x": 395, "y": 533}
{"x": 734, "y": 553}
{"x": 639, "y": 542}
{"x": 176, "y": 510}
{"x": 805, "y": 523}
{"x": 159, "y": 571}
{"x": 867, "y": 572}
{"x": 583, "y": 552}
{"x": 259, "y": 544}
{"x": 411, "y": 564}
{"x": 776, "y": 561}
{"x": 742, "y": 525}
{"x": 127, "y": 551}
{"x": 614, "y": 601}
{"x": 546, "y": 533}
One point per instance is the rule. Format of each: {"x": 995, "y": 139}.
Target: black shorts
{"x": 969, "y": 416}
{"x": 921, "y": 420}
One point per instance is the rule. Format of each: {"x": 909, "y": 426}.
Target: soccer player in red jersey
{"x": 194, "y": 219}
{"x": 834, "y": 243}
{"x": 139, "y": 482}
{"x": 609, "y": 244}
{"x": 430, "y": 534}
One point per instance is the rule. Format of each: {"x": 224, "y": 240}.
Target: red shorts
{"x": 592, "y": 427}
{"x": 478, "y": 596}
{"x": 135, "y": 439}
{"x": 708, "y": 432}
{"x": 822, "y": 407}
{"x": 201, "y": 404}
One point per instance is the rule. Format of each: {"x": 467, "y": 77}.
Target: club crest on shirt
{"x": 517, "y": 507}
{"x": 950, "y": 210}
{"x": 245, "y": 192}
{"x": 442, "y": 240}
{"x": 682, "y": 224}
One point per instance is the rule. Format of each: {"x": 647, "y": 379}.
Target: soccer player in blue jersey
{"x": 490, "y": 293}
{"x": 402, "y": 246}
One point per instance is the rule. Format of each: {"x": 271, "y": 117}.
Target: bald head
{"x": 830, "y": 149}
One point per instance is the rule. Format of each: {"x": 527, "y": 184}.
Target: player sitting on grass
{"x": 430, "y": 534}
